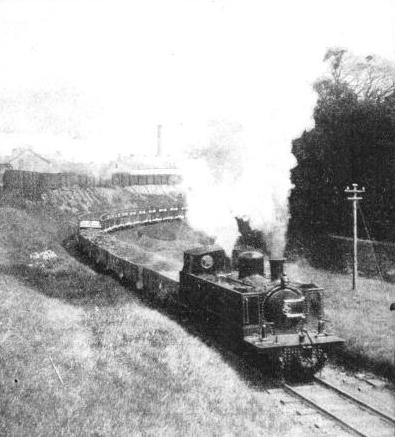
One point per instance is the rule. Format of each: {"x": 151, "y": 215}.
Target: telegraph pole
{"x": 354, "y": 198}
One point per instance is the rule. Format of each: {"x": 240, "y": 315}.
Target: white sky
{"x": 94, "y": 78}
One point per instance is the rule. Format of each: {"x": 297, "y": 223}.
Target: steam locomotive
{"x": 272, "y": 317}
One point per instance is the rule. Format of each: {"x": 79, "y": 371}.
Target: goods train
{"x": 277, "y": 320}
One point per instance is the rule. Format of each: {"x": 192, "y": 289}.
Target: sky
{"x": 94, "y": 78}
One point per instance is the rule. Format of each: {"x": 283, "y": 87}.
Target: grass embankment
{"x": 361, "y": 317}
{"x": 81, "y": 355}
{"x": 79, "y": 200}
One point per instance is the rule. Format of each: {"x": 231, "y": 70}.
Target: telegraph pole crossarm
{"x": 354, "y": 198}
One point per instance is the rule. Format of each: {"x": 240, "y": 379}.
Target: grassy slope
{"x": 126, "y": 369}
{"x": 79, "y": 200}
{"x": 361, "y": 317}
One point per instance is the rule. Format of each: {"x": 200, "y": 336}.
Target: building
{"x": 28, "y": 160}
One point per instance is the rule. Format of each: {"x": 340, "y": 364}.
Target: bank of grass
{"x": 124, "y": 369}
{"x": 361, "y": 317}
{"x": 81, "y": 355}
{"x": 99, "y": 199}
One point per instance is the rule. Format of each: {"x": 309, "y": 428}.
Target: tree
{"x": 353, "y": 141}
{"x": 371, "y": 77}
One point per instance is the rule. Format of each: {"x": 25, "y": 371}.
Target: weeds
{"x": 361, "y": 317}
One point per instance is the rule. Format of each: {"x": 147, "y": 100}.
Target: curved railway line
{"x": 350, "y": 413}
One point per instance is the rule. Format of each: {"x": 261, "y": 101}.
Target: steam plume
{"x": 239, "y": 176}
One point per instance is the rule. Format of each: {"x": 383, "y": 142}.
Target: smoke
{"x": 243, "y": 167}
{"x": 239, "y": 175}
{"x": 210, "y": 176}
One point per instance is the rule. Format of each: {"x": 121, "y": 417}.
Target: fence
{"x": 33, "y": 184}
{"x": 375, "y": 258}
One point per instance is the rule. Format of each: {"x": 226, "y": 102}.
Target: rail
{"x": 354, "y": 399}
{"x": 350, "y": 413}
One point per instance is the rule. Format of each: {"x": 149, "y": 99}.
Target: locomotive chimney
{"x": 276, "y": 268}
{"x": 250, "y": 263}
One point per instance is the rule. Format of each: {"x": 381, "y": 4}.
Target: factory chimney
{"x": 159, "y": 141}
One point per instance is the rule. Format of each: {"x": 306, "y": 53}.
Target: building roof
{"x": 22, "y": 152}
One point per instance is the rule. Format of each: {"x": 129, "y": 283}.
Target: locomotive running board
{"x": 273, "y": 342}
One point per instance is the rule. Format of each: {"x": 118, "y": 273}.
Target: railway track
{"x": 346, "y": 410}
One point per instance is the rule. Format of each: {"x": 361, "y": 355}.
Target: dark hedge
{"x": 353, "y": 141}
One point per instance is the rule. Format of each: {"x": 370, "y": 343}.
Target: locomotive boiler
{"x": 276, "y": 319}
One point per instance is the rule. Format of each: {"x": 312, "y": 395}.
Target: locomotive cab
{"x": 206, "y": 260}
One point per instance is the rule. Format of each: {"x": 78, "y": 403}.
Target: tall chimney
{"x": 159, "y": 141}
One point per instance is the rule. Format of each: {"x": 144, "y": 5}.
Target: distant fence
{"x": 32, "y": 184}
{"x": 375, "y": 258}
{"x": 129, "y": 179}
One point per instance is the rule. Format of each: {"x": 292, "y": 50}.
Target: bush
{"x": 353, "y": 141}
